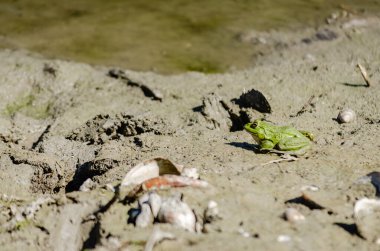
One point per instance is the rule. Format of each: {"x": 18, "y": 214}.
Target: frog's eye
{"x": 254, "y": 125}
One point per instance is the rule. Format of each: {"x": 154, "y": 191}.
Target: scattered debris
{"x": 177, "y": 213}
{"x": 103, "y": 128}
{"x": 373, "y": 178}
{"x": 284, "y": 157}
{"x": 158, "y": 173}
{"x": 254, "y": 99}
{"x": 326, "y": 35}
{"x": 168, "y": 181}
{"x": 21, "y": 214}
{"x": 293, "y": 215}
{"x": 165, "y": 182}
{"x": 338, "y": 15}
{"x": 244, "y": 233}
{"x": 148, "y": 92}
{"x": 309, "y": 104}
{"x": 364, "y": 74}
{"x": 331, "y": 202}
{"x": 346, "y": 116}
{"x": 156, "y": 237}
{"x": 190, "y": 172}
{"x": 211, "y": 213}
{"x": 49, "y": 69}
{"x": 367, "y": 218}
{"x": 150, "y": 169}
{"x": 172, "y": 210}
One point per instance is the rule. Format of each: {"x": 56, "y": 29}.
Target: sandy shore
{"x": 70, "y": 132}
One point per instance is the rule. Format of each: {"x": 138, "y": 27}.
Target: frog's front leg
{"x": 266, "y": 145}
{"x": 293, "y": 144}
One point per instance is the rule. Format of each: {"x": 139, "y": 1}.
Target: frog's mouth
{"x": 256, "y": 138}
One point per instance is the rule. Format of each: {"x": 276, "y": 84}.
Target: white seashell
{"x": 191, "y": 173}
{"x": 150, "y": 169}
{"x": 367, "y": 216}
{"x": 293, "y": 215}
{"x": 346, "y": 116}
{"x": 177, "y": 213}
{"x": 145, "y": 217}
{"x": 154, "y": 203}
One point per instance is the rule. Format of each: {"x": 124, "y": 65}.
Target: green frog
{"x": 282, "y": 138}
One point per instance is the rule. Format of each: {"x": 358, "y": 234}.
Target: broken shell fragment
{"x": 367, "y": 217}
{"x": 293, "y": 215}
{"x": 190, "y": 172}
{"x": 145, "y": 217}
{"x": 346, "y": 116}
{"x": 168, "y": 181}
{"x": 154, "y": 202}
{"x": 157, "y": 236}
{"x": 143, "y": 199}
{"x": 177, "y": 213}
{"x": 150, "y": 169}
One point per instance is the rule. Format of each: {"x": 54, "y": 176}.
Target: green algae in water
{"x": 140, "y": 35}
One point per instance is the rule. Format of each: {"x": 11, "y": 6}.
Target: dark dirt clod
{"x": 254, "y": 99}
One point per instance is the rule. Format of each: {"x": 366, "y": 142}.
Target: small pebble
{"x": 311, "y": 188}
{"x": 284, "y": 238}
{"x": 293, "y": 215}
{"x": 212, "y": 211}
{"x": 244, "y": 233}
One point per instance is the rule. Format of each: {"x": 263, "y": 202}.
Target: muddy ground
{"x": 70, "y": 132}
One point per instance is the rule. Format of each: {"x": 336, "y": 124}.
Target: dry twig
{"x": 364, "y": 74}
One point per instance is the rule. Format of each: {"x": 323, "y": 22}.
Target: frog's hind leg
{"x": 293, "y": 144}
{"x": 308, "y": 135}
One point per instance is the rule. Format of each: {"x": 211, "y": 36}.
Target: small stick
{"x": 364, "y": 74}
{"x": 305, "y": 106}
{"x": 283, "y": 158}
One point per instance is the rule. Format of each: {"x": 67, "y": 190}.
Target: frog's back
{"x": 290, "y": 132}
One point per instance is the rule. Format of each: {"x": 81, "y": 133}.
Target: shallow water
{"x": 166, "y": 36}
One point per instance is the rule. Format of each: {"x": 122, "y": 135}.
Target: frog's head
{"x": 256, "y": 129}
